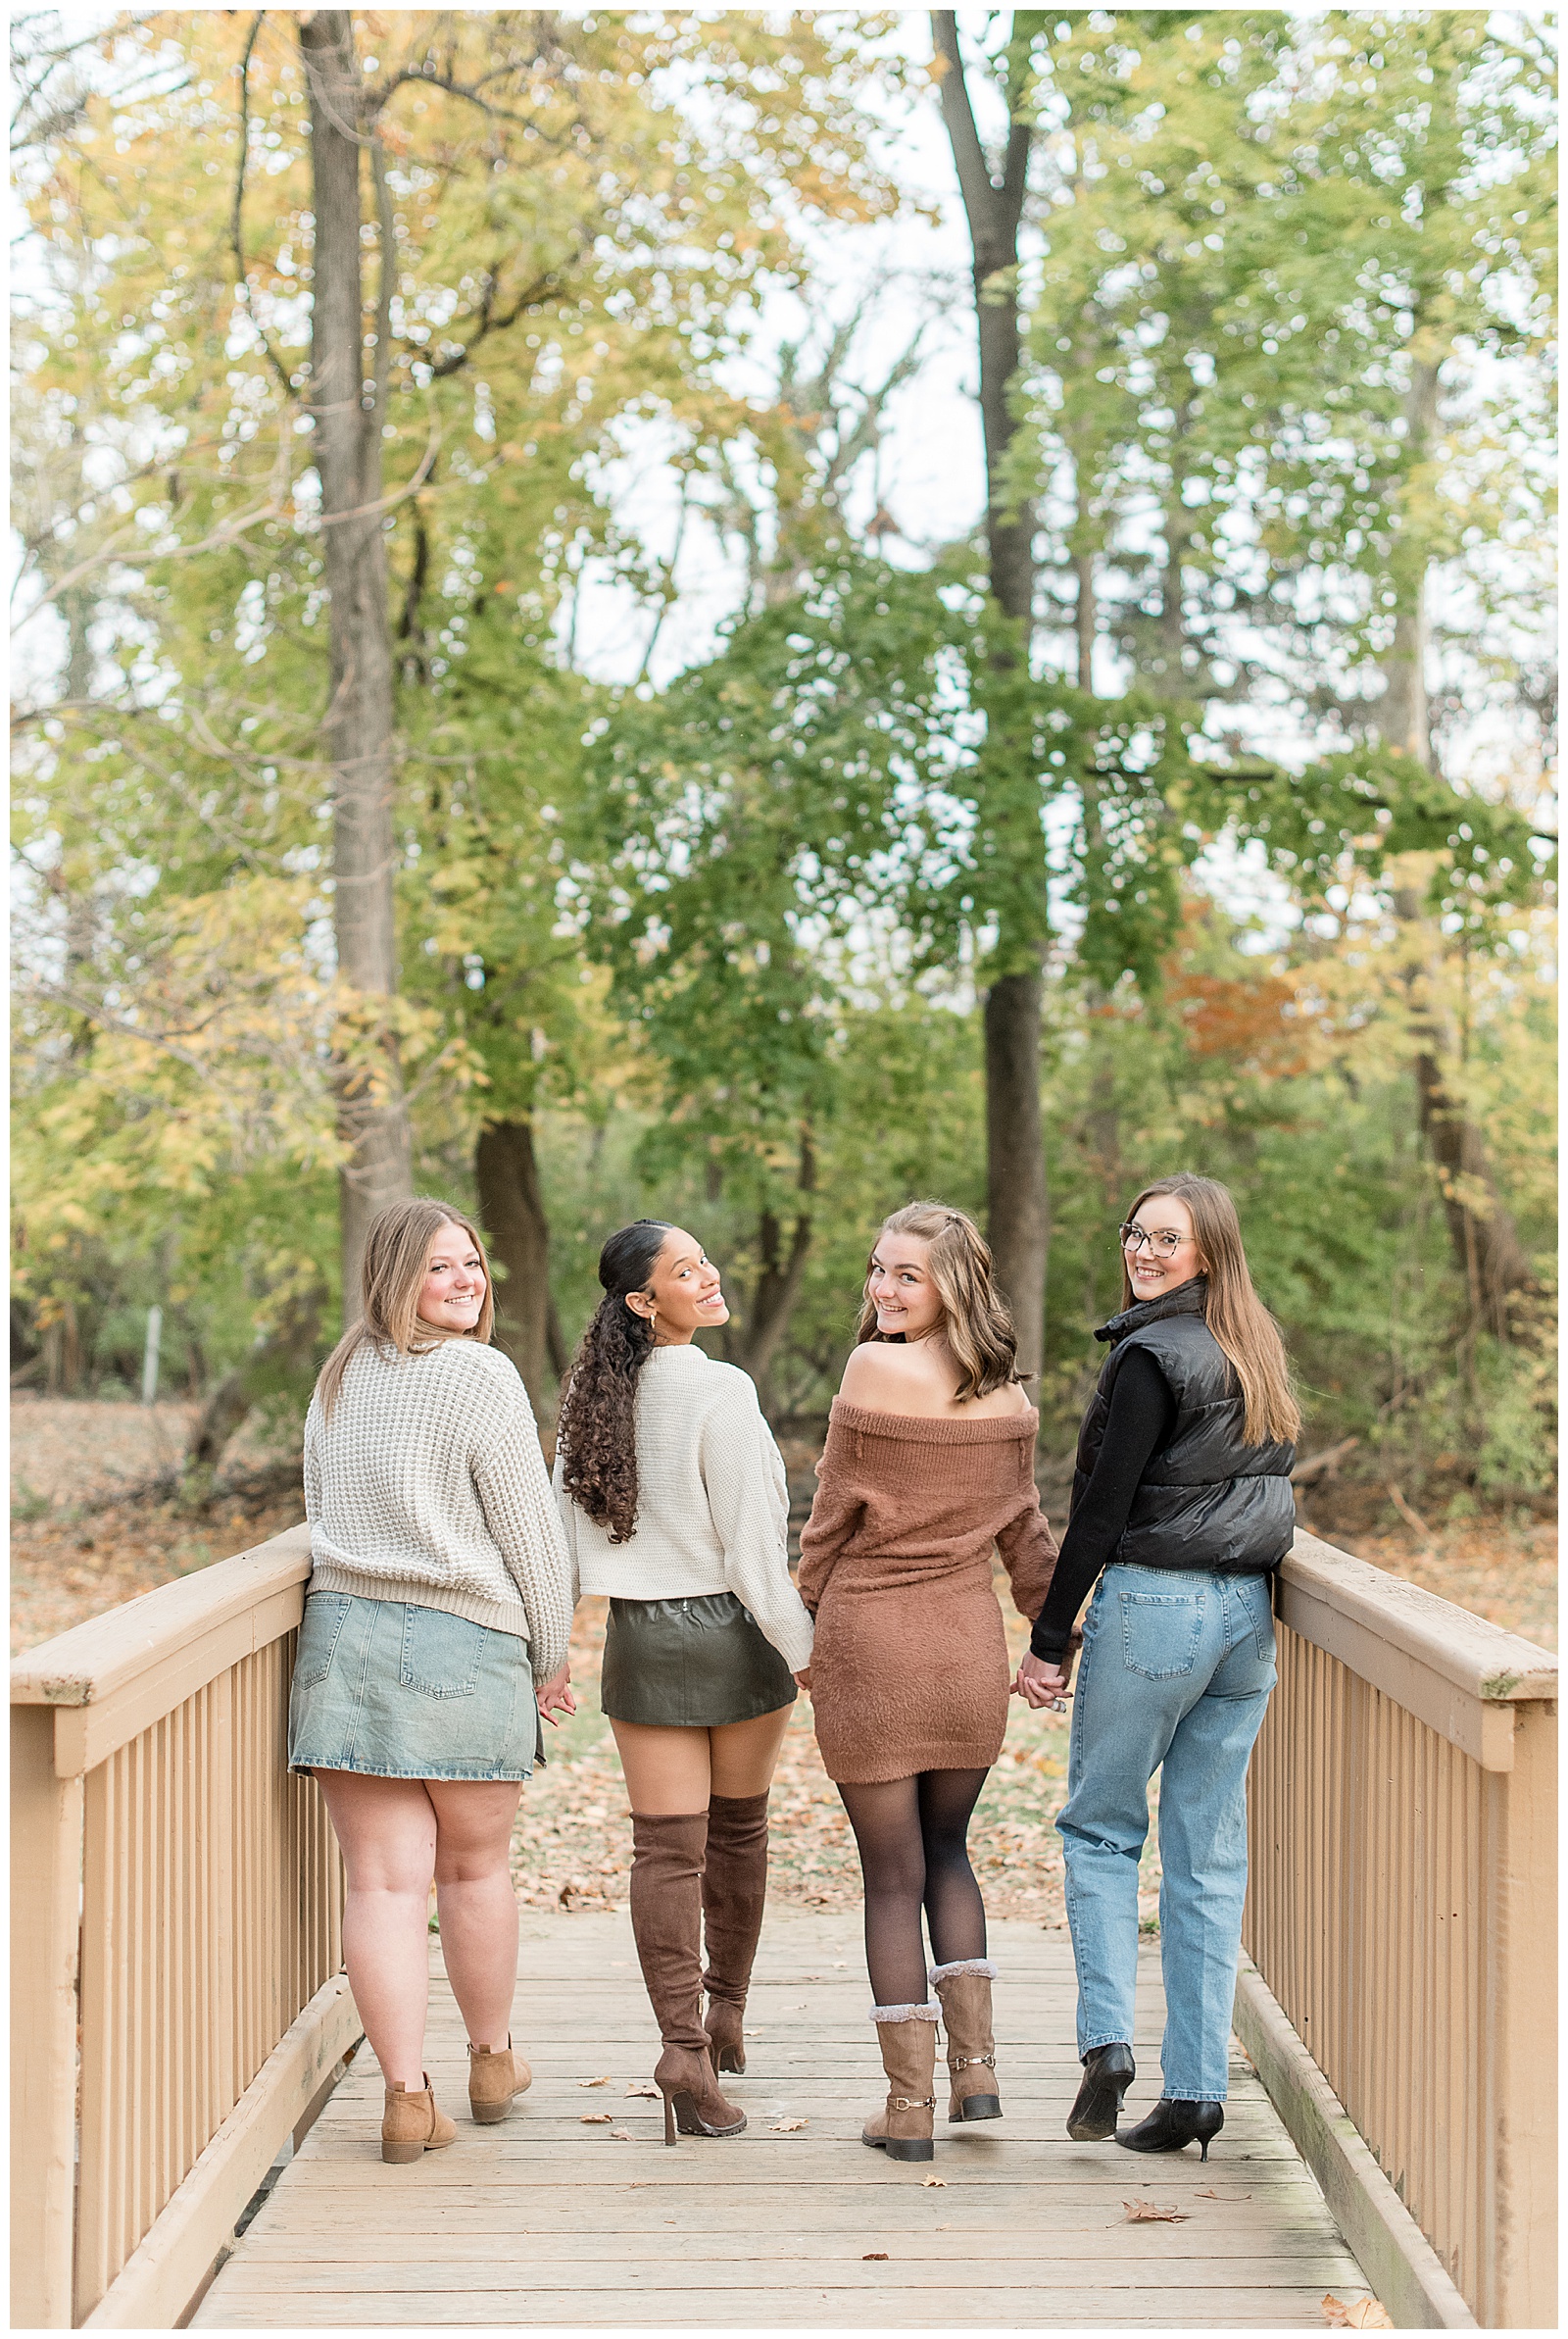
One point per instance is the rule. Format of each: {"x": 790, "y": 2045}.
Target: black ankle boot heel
{"x": 1108, "y": 2073}
{"x": 1173, "y": 2125}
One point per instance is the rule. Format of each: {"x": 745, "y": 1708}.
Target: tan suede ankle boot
{"x": 495, "y": 2075}
{"x": 412, "y": 2125}
{"x": 909, "y": 2036}
{"x": 964, "y": 1991}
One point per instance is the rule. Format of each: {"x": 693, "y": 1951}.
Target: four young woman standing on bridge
{"x": 441, "y": 1582}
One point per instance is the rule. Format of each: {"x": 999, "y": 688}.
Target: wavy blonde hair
{"x": 1232, "y": 1309}
{"x": 978, "y": 1326}
{"x": 397, "y": 1251}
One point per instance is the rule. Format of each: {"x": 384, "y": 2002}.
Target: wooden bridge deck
{"x": 547, "y": 2221}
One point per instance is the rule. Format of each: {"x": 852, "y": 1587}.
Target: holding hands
{"x": 555, "y": 1696}
{"x": 1039, "y": 1685}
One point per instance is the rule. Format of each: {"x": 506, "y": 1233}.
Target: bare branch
{"x": 242, "y": 285}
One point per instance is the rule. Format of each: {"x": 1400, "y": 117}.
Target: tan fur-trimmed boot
{"x": 412, "y": 2125}
{"x": 964, "y": 1991}
{"x": 909, "y": 2037}
{"x": 495, "y": 2076}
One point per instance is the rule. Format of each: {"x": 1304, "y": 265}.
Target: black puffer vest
{"x": 1208, "y": 1499}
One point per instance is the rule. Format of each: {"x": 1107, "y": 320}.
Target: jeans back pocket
{"x": 441, "y": 1654}
{"x": 321, "y": 1630}
{"x": 1161, "y": 1632}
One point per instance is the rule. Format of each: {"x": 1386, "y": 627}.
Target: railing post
{"x": 46, "y": 1834}
{"x": 1518, "y": 2061}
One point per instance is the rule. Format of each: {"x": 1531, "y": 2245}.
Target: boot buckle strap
{"x": 911, "y": 2103}
{"x": 963, "y": 2063}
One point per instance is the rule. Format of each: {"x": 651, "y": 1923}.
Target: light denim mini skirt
{"x": 396, "y": 1691}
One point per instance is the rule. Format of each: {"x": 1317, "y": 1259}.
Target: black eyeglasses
{"x": 1166, "y": 1243}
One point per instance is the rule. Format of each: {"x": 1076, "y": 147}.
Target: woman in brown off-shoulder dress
{"x": 929, "y": 1465}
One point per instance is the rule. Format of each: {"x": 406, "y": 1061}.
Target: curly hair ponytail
{"x": 597, "y": 1431}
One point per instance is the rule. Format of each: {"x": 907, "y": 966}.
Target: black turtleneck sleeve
{"x": 1141, "y": 1416}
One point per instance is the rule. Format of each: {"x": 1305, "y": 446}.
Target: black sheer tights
{"x": 910, "y": 1835}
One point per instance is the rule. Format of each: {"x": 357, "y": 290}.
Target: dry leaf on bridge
{"x": 597, "y": 2119}
{"x": 932, "y": 2180}
{"x": 1150, "y": 2213}
{"x": 633, "y": 2087}
{"x": 1360, "y": 2314}
{"x": 787, "y": 2127}
{"x": 603, "y": 2082}
{"x": 866, "y": 2256}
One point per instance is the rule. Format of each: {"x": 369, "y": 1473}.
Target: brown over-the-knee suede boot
{"x": 666, "y": 1923}
{"x": 734, "y": 1891}
{"x": 964, "y": 1990}
{"x": 909, "y": 2036}
{"x": 412, "y": 2125}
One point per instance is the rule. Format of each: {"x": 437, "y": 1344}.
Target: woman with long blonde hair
{"x": 1182, "y": 1495}
{"x": 929, "y": 1464}
{"x": 434, "y": 1637}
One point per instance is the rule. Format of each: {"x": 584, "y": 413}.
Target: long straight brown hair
{"x": 1232, "y": 1309}
{"x": 397, "y": 1250}
{"x": 978, "y": 1327}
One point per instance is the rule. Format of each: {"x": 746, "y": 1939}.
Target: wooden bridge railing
{"x": 1401, "y": 1918}
{"x": 176, "y": 1901}
{"x": 178, "y": 2009}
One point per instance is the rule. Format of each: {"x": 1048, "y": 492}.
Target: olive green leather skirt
{"x": 690, "y": 1663}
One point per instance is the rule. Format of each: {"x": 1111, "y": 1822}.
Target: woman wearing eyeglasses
{"x": 1182, "y": 1496}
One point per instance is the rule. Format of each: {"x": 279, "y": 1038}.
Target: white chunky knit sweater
{"x": 428, "y": 1485}
{"x": 713, "y": 1504}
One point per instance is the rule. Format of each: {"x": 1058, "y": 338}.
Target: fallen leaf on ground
{"x": 868, "y": 2255}
{"x": 1150, "y": 2213}
{"x": 597, "y": 2119}
{"x": 621, "y": 2135}
{"x": 633, "y": 2088}
{"x": 752, "y": 2034}
{"x": 787, "y": 2127}
{"x": 1207, "y": 2193}
{"x": 932, "y": 2180}
{"x": 1360, "y": 2314}
{"x": 603, "y": 2082}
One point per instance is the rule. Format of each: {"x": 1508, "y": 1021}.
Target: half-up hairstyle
{"x": 397, "y": 1250}
{"x": 1232, "y": 1309}
{"x": 979, "y": 1326}
{"x": 596, "y": 1428}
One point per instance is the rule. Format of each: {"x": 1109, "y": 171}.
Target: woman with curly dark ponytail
{"x": 675, "y": 1506}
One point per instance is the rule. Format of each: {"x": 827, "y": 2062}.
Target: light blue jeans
{"x": 1176, "y": 1670}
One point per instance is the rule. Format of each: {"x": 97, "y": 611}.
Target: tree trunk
{"x": 512, "y": 1207}
{"x": 1487, "y": 1248}
{"x": 1018, "y": 1215}
{"x": 272, "y": 1364}
{"x": 779, "y": 1276}
{"x": 1085, "y": 617}
{"x": 1017, "y": 1209}
{"x": 358, "y": 726}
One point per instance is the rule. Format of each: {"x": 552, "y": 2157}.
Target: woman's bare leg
{"x": 744, "y": 1755}
{"x": 475, "y": 1901}
{"x": 667, "y": 1769}
{"x": 386, "y": 1828}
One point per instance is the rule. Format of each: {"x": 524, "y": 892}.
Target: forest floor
{"x": 85, "y": 1539}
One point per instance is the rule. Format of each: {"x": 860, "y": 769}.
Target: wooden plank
{"x": 46, "y": 1833}
{"x": 770, "y": 2229}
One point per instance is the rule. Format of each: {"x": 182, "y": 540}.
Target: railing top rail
{"x": 1483, "y": 1660}
{"x": 95, "y": 1660}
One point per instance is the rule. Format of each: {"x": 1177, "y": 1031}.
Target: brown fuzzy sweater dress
{"x": 910, "y": 1667}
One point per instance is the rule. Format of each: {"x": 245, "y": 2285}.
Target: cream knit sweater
{"x": 428, "y": 1485}
{"x": 712, "y": 1505}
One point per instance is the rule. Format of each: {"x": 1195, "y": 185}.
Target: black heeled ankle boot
{"x": 1108, "y": 2073}
{"x": 1172, "y": 2124}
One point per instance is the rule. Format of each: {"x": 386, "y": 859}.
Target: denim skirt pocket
{"x": 442, "y": 1655}
{"x": 321, "y": 1630}
{"x": 1161, "y": 1632}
